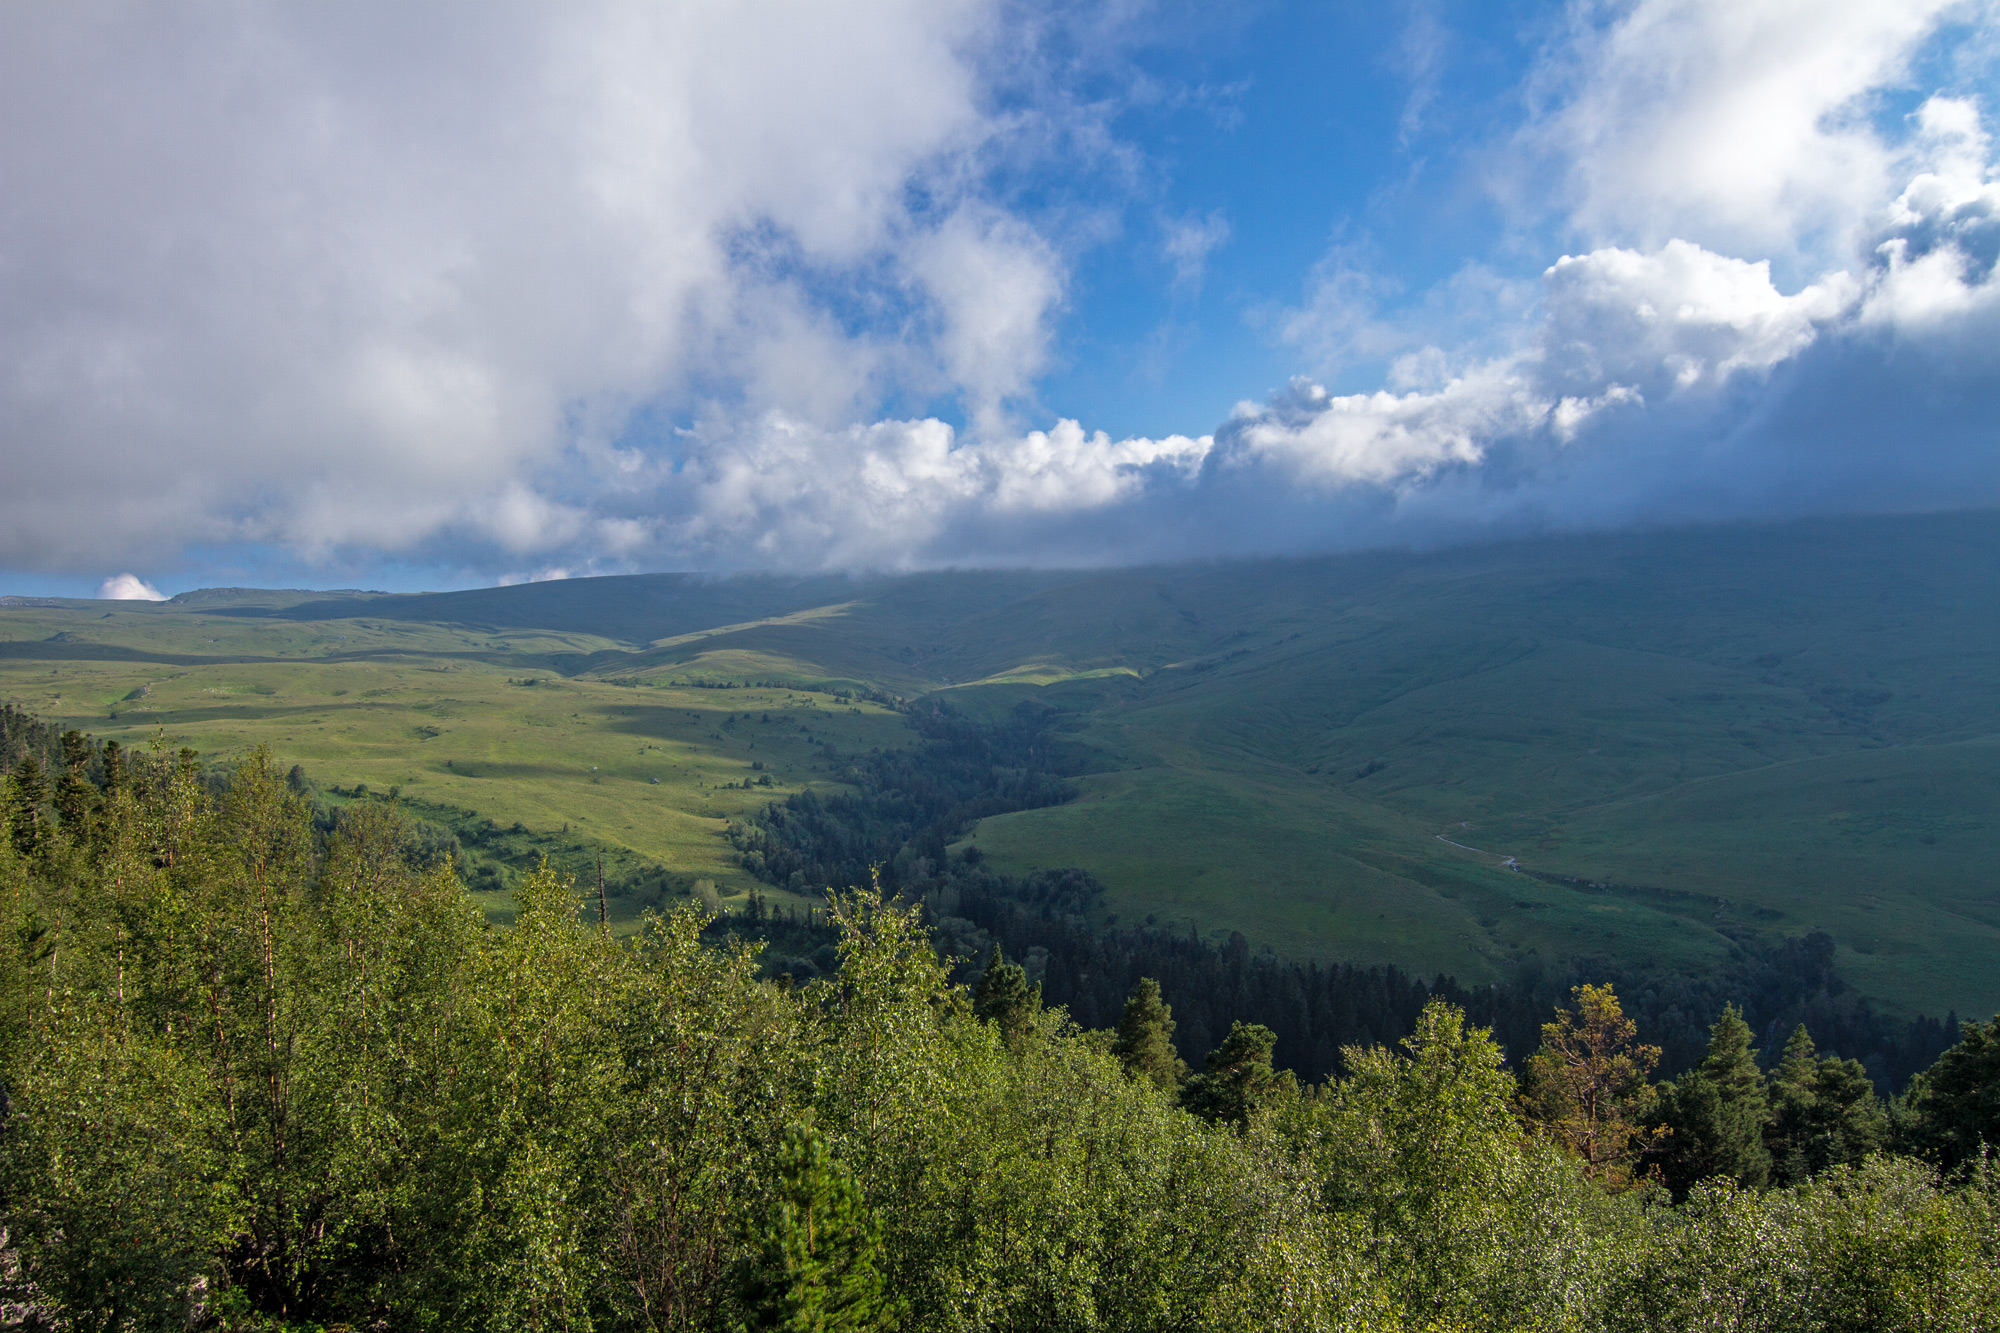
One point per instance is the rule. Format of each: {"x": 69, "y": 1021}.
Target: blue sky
{"x": 426, "y": 296}
{"x": 1304, "y": 131}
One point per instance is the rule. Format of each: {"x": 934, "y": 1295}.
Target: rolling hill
{"x": 1676, "y": 736}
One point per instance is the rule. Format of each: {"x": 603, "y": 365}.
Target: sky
{"x": 437, "y": 295}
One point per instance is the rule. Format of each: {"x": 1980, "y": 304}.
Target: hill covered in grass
{"x": 1489, "y": 761}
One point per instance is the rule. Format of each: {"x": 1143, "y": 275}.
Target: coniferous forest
{"x": 265, "y": 1074}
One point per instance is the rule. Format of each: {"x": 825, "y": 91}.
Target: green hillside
{"x": 446, "y": 715}
{"x": 1776, "y": 730}
{"x": 1678, "y": 735}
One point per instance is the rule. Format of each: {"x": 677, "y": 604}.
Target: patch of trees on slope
{"x": 907, "y": 806}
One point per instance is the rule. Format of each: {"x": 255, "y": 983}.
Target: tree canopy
{"x": 264, "y": 1074}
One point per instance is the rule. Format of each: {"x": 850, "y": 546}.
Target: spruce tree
{"x": 1851, "y": 1121}
{"x": 1715, "y": 1113}
{"x": 75, "y": 796}
{"x": 1797, "y": 1066}
{"x": 1237, "y": 1080}
{"x": 1145, "y": 1042}
{"x": 815, "y": 1253}
{"x": 1952, "y": 1109}
{"x": 1823, "y": 1113}
{"x": 1794, "y": 1108}
{"x": 27, "y": 792}
{"x": 1004, "y": 998}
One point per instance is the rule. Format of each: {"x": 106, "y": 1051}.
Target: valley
{"x": 1684, "y": 737}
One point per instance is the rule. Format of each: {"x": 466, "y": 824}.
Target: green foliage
{"x": 1824, "y": 1113}
{"x": 814, "y": 1264}
{"x": 265, "y": 1074}
{"x": 1715, "y": 1113}
{"x": 27, "y": 794}
{"x": 1236, "y": 1082}
{"x": 1952, "y": 1111}
{"x": 1004, "y": 998}
{"x": 1145, "y": 1044}
{"x": 1470, "y": 1225}
{"x": 120, "y": 1194}
{"x": 1879, "y": 1247}
{"x": 1586, "y": 1087}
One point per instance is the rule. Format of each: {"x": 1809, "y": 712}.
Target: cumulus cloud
{"x": 376, "y": 275}
{"x": 782, "y": 492}
{"x": 1742, "y": 126}
{"x": 128, "y": 588}
{"x": 610, "y": 286}
{"x": 1678, "y": 383}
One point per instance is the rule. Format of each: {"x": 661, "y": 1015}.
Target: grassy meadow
{"x": 446, "y": 716}
{"x": 1677, "y": 737}
{"x": 1715, "y": 732}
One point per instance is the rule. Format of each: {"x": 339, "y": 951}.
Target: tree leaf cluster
{"x": 255, "y": 1079}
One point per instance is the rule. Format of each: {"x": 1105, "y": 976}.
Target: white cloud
{"x": 1678, "y": 383}
{"x": 1742, "y": 125}
{"x": 375, "y": 276}
{"x": 1383, "y": 439}
{"x": 379, "y": 279}
{"x": 1617, "y": 328}
{"x": 900, "y": 494}
{"x": 1680, "y": 314}
{"x": 994, "y": 282}
{"x": 1187, "y": 244}
{"x": 128, "y": 588}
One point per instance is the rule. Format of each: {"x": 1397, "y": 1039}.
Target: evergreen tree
{"x": 1715, "y": 1113}
{"x": 1587, "y": 1086}
{"x": 1793, "y": 1094}
{"x": 27, "y": 792}
{"x": 1237, "y": 1080}
{"x": 1145, "y": 1044}
{"x": 75, "y": 797}
{"x": 815, "y": 1253}
{"x": 1796, "y": 1066}
{"x": 1953, "y": 1108}
{"x": 114, "y": 769}
{"x": 1823, "y": 1113}
{"x": 1003, "y": 997}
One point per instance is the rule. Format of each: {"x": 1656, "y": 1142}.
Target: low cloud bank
{"x": 1675, "y": 384}
{"x": 1681, "y": 384}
